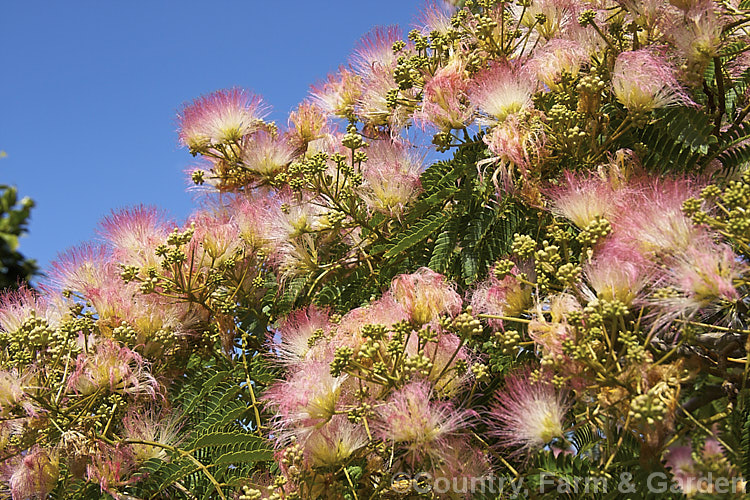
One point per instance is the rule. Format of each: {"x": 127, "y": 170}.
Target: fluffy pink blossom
{"x": 333, "y": 443}
{"x": 374, "y": 52}
{"x": 558, "y": 57}
{"x": 559, "y": 15}
{"x": 135, "y": 233}
{"x": 705, "y": 274}
{"x": 339, "y": 93}
{"x": 372, "y": 106}
{"x": 697, "y": 35}
{"x": 421, "y": 425}
{"x": 111, "y": 467}
{"x": 651, "y": 216}
{"x": 84, "y": 269}
{"x": 425, "y": 295}
{"x": 435, "y": 17}
{"x": 643, "y": 80}
{"x": 17, "y": 306}
{"x": 15, "y": 389}
{"x": 502, "y": 90}
{"x": 309, "y": 397}
{"x": 583, "y": 198}
{"x": 618, "y": 271}
{"x": 518, "y": 141}
{"x": 505, "y": 297}
{"x": 111, "y": 367}
{"x": 679, "y": 459}
{"x": 527, "y": 415}
{"x": 221, "y": 117}
{"x": 391, "y": 176}
{"x": 31, "y": 475}
{"x": 157, "y": 427}
{"x": 445, "y": 102}
{"x": 295, "y": 332}
{"x": 265, "y": 154}
{"x": 384, "y": 311}
{"x": 216, "y": 237}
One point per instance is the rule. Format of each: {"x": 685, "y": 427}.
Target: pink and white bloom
{"x": 221, "y": 117}
{"x": 643, "y": 81}
{"x": 157, "y": 427}
{"x": 505, "y": 297}
{"x": 527, "y": 415}
{"x": 502, "y": 90}
{"x": 339, "y": 93}
{"x": 265, "y": 154}
{"x": 391, "y": 176}
{"x": 425, "y": 295}
{"x": 419, "y": 424}
{"x": 134, "y": 234}
{"x": 295, "y": 334}
{"x": 111, "y": 367}
{"x": 309, "y": 397}
{"x": 32, "y": 475}
{"x": 558, "y": 57}
{"x": 583, "y": 198}
{"x": 707, "y": 271}
{"x": 618, "y": 271}
{"x": 374, "y": 52}
{"x": 445, "y": 102}
{"x": 333, "y": 443}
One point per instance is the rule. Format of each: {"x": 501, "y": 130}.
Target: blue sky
{"x": 90, "y": 90}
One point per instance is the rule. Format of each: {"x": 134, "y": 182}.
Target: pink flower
{"x": 505, "y": 297}
{"x": 391, "y": 177}
{"x": 618, "y": 272}
{"x": 651, "y": 217}
{"x": 705, "y": 274}
{"x": 642, "y": 81}
{"x": 32, "y": 475}
{"x": 157, "y": 427}
{"x": 113, "y": 368}
{"x": 374, "y": 52}
{"x": 680, "y": 460}
{"x": 216, "y": 237}
{"x": 18, "y": 306}
{"x": 309, "y": 397}
{"x": 558, "y": 57}
{"x": 309, "y": 123}
{"x": 445, "y": 103}
{"x": 85, "y": 269}
{"x": 708, "y": 271}
{"x": 333, "y": 443}
{"x": 296, "y": 331}
{"x": 218, "y": 118}
{"x": 526, "y": 415}
{"x": 502, "y": 90}
{"x": 339, "y": 93}
{"x": 373, "y": 107}
{"x": 265, "y": 154}
{"x": 697, "y": 35}
{"x": 135, "y": 233}
{"x": 419, "y": 424}
{"x": 13, "y": 393}
{"x": 583, "y": 198}
{"x": 425, "y": 295}
{"x": 559, "y": 15}
{"x": 519, "y": 141}
{"x": 111, "y": 467}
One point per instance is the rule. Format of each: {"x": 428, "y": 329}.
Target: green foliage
{"x": 14, "y": 218}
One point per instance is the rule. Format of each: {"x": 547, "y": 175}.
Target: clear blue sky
{"x": 90, "y": 90}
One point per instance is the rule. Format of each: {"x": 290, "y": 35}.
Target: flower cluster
{"x": 556, "y": 293}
